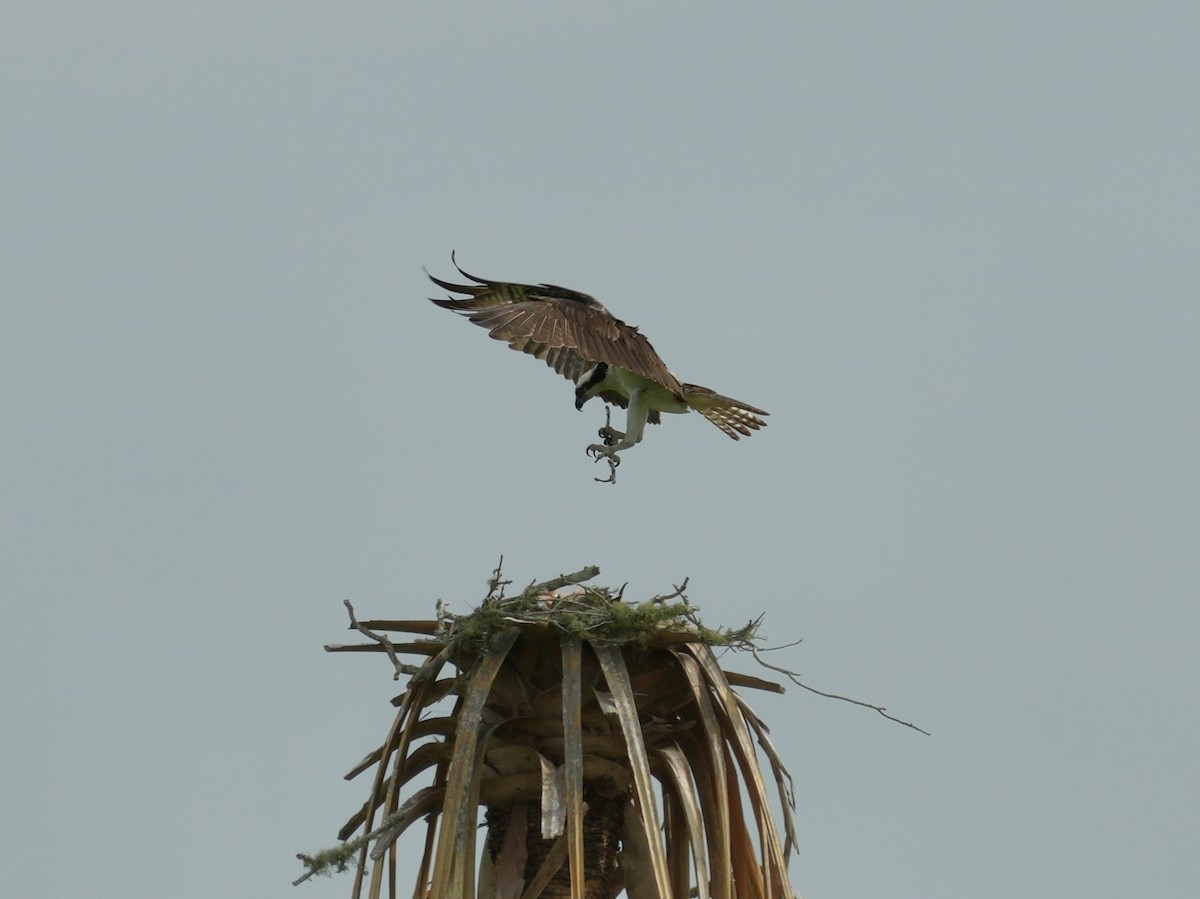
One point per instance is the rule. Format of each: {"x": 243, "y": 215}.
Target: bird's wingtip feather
{"x": 465, "y": 274}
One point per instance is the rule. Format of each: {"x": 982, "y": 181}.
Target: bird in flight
{"x": 581, "y": 340}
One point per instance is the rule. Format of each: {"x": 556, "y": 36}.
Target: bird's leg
{"x": 635, "y": 425}
{"x": 609, "y": 434}
{"x": 610, "y": 437}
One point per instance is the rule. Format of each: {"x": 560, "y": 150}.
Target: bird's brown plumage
{"x": 573, "y": 332}
{"x": 569, "y": 330}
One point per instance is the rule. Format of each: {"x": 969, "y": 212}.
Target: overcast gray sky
{"x": 952, "y": 248}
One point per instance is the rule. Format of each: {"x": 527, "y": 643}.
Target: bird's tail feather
{"x": 735, "y": 418}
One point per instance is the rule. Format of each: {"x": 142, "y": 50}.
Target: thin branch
{"x": 678, "y": 594}
{"x": 795, "y": 678}
{"x": 781, "y": 645}
{"x": 495, "y": 583}
{"x": 613, "y": 462}
{"x": 401, "y": 667}
{"x": 577, "y": 577}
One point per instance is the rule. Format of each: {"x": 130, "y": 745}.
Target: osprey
{"x": 581, "y": 340}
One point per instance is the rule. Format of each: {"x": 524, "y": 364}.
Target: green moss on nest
{"x": 597, "y": 613}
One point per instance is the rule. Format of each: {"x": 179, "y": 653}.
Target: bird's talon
{"x": 598, "y": 452}
{"x": 609, "y": 435}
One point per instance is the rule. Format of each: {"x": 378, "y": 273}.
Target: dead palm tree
{"x": 604, "y": 741}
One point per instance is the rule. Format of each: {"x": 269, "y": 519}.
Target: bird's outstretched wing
{"x": 735, "y": 418}
{"x": 570, "y": 331}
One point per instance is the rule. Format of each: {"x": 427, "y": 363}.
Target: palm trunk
{"x": 568, "y": 709}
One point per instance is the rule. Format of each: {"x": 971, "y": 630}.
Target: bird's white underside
{"x": 645, "y": 396}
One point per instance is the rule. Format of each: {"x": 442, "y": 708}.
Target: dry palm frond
{"x": 602, "y": 738}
